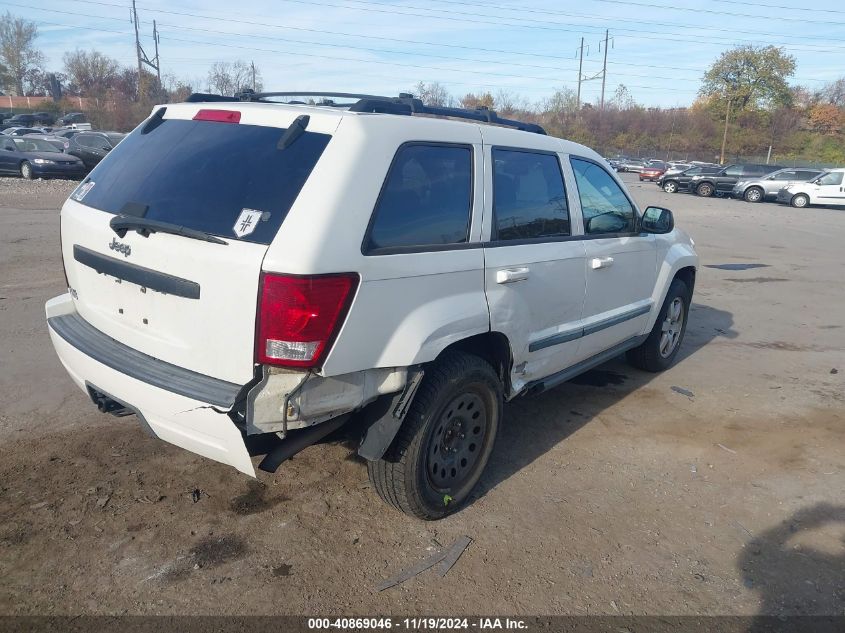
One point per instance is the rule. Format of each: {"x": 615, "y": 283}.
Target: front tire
{"x": 445, "y": 441}
{"x": 26, "y": 170}
{"x": 670, "y": 186}
{"x": 800, "y": 201}
{"x": 705, "y": 190}
{"x": 659, "y": 350}
{"x": 753, "y": 194}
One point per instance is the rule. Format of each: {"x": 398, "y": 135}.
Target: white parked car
{"x": 826, "y": 189}
{"x": 240, "y": 270}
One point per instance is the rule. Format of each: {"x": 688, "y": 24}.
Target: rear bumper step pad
{"x": 106, "y": 350}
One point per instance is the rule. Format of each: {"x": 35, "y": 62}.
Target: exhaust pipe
{"x": 297, "y": 441}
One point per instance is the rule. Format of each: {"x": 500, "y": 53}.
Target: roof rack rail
{"x": 405, "y": 104}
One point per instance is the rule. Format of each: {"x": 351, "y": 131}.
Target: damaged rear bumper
{"x": 200, "y": 413}
{"x": 198, "y": 423}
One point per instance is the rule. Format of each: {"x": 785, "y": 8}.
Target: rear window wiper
{"x": 120, "y": 224}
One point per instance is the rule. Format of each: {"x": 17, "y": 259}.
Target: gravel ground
{"x": 617, "y": 493}
{"x": 18, "y": 193}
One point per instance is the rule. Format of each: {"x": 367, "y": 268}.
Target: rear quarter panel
{"x": 410, "y": 306}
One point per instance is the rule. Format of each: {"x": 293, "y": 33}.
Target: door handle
{"x": 511, "y": 275}
{"x": 601, "y": 262}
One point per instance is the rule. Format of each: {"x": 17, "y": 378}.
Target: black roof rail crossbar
{"x": 404, "y": 104}
{"x": 204, "y": 97}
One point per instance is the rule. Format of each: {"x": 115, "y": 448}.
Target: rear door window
{"x": 207, "y": 176}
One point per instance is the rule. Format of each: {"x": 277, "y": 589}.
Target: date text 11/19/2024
{"x": 416, "y": 624}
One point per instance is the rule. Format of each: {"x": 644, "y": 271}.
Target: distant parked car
{"x": 92, "y": 147}
{"x": 673, "y": 182}
{"x": 58, "y": 142}
{"x": 65, "y": 132}
{"x": 44, "y": 118}
{"x": 826, "y": 189}
{"x": 22, "y": 120}
{"x": 723, "y": 181}
{"x": 72, "y": 117}
{"x": 22, "y": 131}
{"x": 759, "y": 189}
{"x": 635, "y": 166}
{"x": 36, "y": 158}
{"x": 653, "y": 171}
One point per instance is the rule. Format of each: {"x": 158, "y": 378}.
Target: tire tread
{"x": 389, "y": 475}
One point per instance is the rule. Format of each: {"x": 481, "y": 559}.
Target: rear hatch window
{"x": 229, "y": 180}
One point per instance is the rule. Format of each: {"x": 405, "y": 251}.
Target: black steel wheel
{"x": 445, "y": 441}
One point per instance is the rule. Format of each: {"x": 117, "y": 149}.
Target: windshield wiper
{"x": 120, "y": 224}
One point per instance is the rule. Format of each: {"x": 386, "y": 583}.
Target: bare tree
{"x": 433, "y": 94}
{"x": 92, "y": 74}
{"x": 228, "y": 78}
{"x": 18, "y": 54}
{"x": 834, "y": 93}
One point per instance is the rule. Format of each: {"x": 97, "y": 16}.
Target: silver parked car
{"x": 767, "y": 187}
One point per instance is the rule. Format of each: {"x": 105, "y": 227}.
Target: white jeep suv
{"x": 245, "y": 269}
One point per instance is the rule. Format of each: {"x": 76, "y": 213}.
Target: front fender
{"x": 679, "y": 253}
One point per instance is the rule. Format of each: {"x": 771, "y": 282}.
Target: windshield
{"x": 34, "y": 145}
{"x": 227, "y": 180}
{"x": 114, "y": 139}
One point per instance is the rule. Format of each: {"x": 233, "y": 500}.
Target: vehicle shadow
{"x": 536, "y": 424}
{"x": 792, "y": 575}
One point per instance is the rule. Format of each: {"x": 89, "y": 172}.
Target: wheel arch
{"x": 493, "y": 347}
{"x": 681, "y": 262}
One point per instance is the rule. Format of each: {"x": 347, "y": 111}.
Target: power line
{"x": 780, "y": 6}
{"x": 520, "y": 22}
{"x": 699, "y": 10}
{"x": 344, "y": 59}
{"x": 697, "y": 27}
{"x": 404, "y": 41}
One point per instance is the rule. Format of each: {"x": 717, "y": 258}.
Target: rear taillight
{"x": 299, "y": 317}
{"x": 220, "y": 116}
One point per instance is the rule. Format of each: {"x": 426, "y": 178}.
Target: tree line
{"x": 745, "y": 104}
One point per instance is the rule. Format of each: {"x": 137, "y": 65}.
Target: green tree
{"x": 750, "y": 77}
{"x": 18, "y": 54}
{"x": 746, "y": 78}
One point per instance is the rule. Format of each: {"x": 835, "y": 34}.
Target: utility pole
{"x": 142, "y": 56}
{"x": 580, "y": 67}
{"x": 604, "y": 67}
{"x": 252, "y": 65}
{"x": 157, "y": 65}
{"x": 725, "y": 135}
{"x": 137, "y": 46}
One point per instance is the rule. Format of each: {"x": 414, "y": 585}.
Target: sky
{"x": 659, "y": 49}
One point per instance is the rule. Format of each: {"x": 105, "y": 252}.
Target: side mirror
{"x": 657, "y": 220}
{"x": 606, "y": 223}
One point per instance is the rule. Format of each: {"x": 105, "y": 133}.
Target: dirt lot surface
{"x": 713, "y": 488}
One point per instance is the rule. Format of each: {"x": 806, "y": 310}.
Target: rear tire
{"x": 705, "y": 190}
{"x": 659, "y": 350}
{"x": 753, "y": 194}
{"x": 670, "y": 186}
{"x": 445, "y": 441}
{"x": 26, "y": 171}
{"x": 800, "y": 201}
